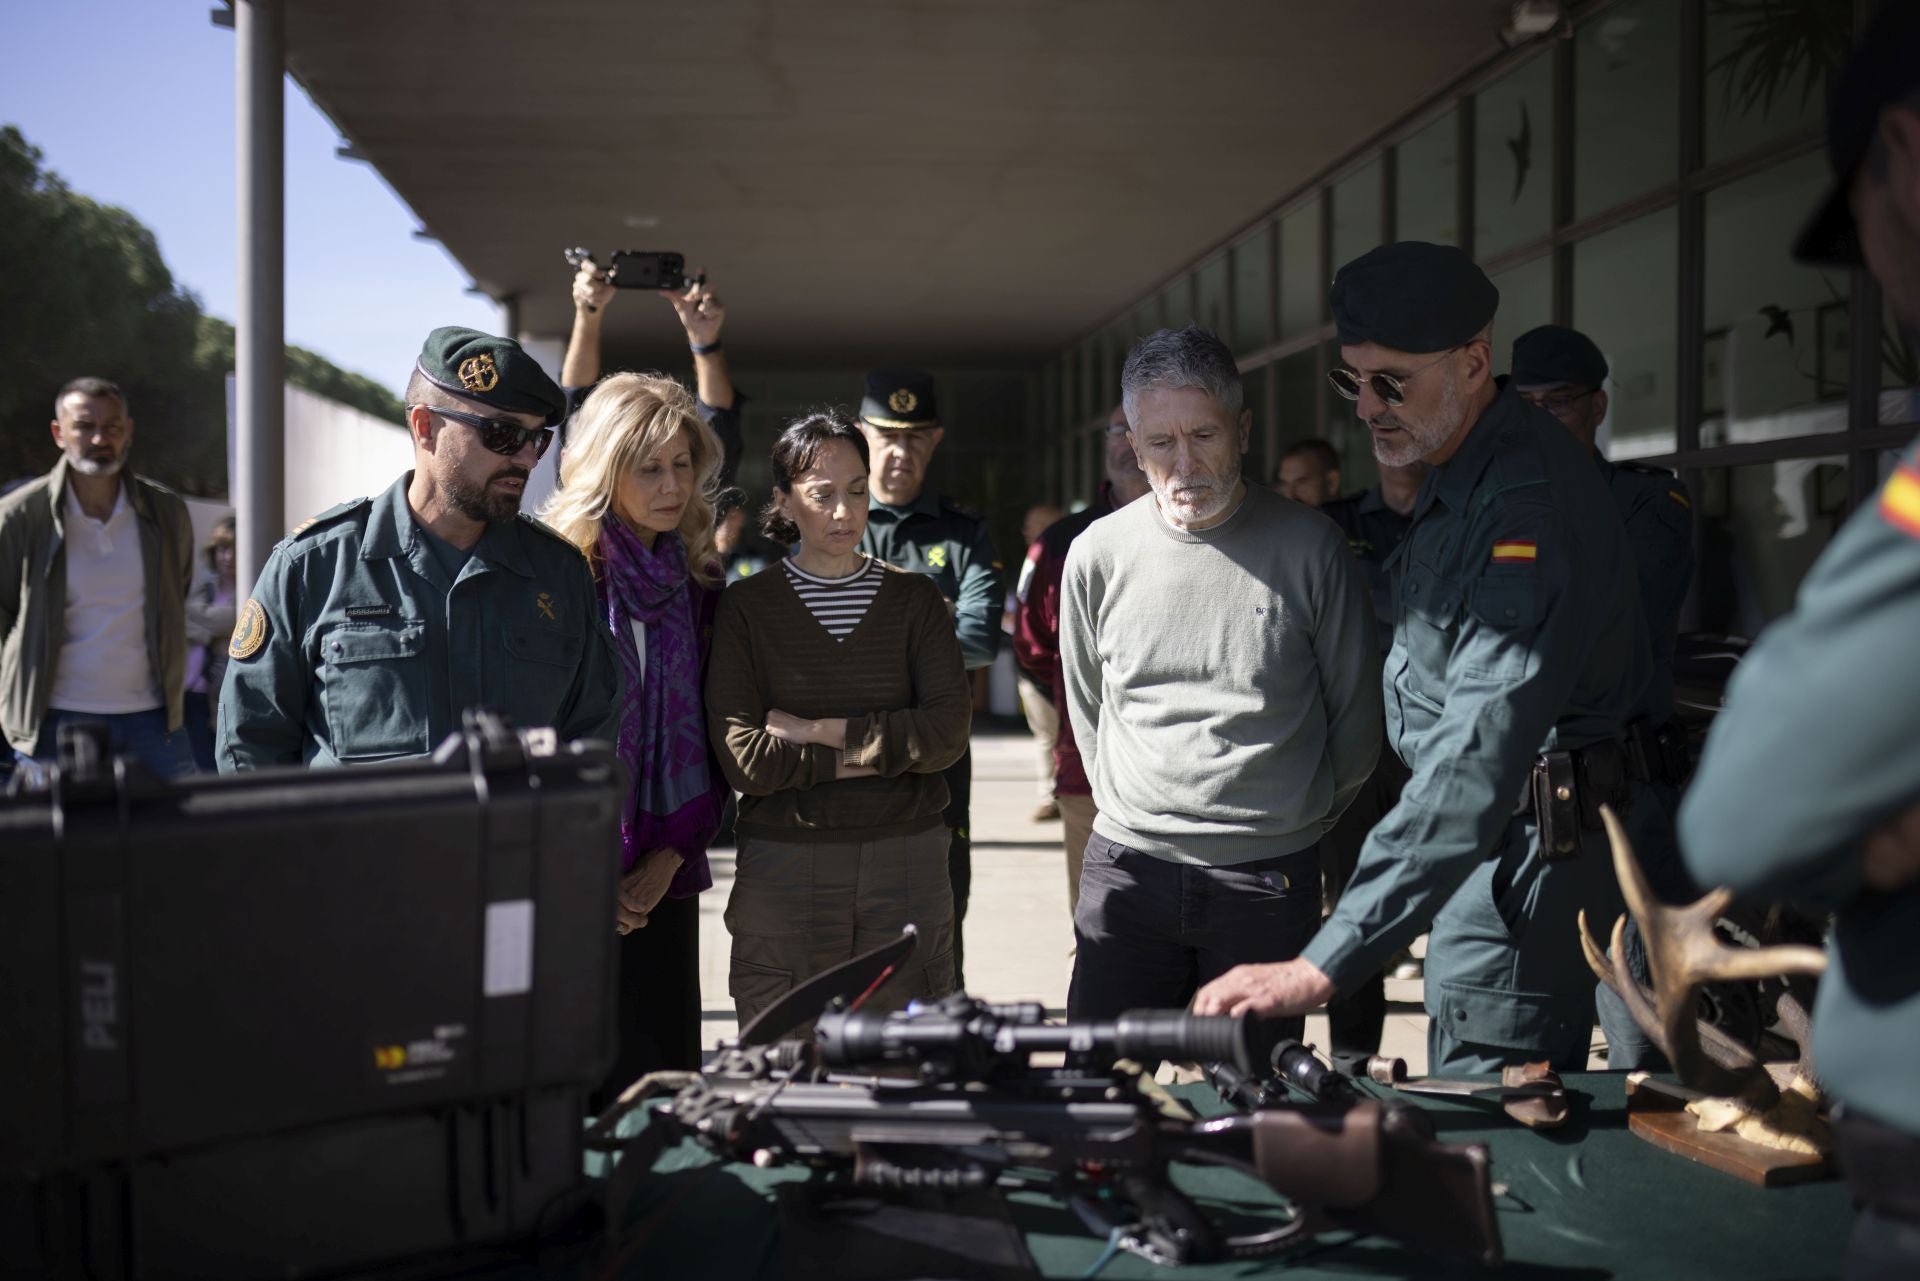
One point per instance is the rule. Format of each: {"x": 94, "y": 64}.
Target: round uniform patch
{"x": 250, "y": 632}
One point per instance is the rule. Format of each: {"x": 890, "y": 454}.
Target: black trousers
{"x": 1357, "y": 1019}
{"x": 657, "y": 1012}
{"x": 1150, "y": 933}
{"x": 959, "y": 776}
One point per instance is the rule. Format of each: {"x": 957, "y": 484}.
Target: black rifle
{"x": 969, "y": 1110}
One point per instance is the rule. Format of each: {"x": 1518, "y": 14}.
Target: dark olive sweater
{"x": 898, "y": 679}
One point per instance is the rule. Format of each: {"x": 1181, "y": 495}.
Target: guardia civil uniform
{"x": 1819, "y": 744}
{"x": 357, "y": 646}
{"x": 937, "y": 537}
{"x": 1658, "y": 515}
{"x": 1518, "y": 642}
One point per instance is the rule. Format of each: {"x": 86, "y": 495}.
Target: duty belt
{"x": 1657, "y": 754}
{"x": 1565, "y": 791}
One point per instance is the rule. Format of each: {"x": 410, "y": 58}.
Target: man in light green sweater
{"x": 1221, "y": 672}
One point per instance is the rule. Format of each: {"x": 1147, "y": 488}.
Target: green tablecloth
{"x": 1588, "y": 1201}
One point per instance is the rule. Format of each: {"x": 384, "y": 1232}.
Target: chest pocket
{"x": 375, "y": 687}
{"x": 541, "y": 662}
{"x": 1511, "y": 610}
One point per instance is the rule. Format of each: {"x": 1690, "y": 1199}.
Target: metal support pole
{"x": 259, "y": 347}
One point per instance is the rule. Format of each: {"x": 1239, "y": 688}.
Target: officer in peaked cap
{"x": 1518, "y": 653}
{"x": 1561, "y": 371}
{"x": 377, "y": 623}
{"x": 1809, "y": 790}
{"x": 910, "y": 526}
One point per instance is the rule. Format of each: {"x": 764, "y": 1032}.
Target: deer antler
{"x": 1683, "y": 951}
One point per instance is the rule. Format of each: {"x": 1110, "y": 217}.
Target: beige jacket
{"x": 33, "y": 594}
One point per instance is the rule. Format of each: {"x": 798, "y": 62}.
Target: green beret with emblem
{"x": 1412, "y": 296}
{"x": 899, "y": 400}
{"x": 492, "y": 371}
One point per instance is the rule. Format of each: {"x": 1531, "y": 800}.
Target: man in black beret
{"x": 376, "y": 624}
{"x": 913, "y": 527}
{"x": 1518, "y": 655}
{"x": 1562, "y": 371}
{"x": 1809, "y": 786}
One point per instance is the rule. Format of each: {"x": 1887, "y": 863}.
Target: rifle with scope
{"x": 947, "y": 1097}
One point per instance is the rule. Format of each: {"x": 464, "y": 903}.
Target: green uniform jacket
{"x": 1819, "y": 743}
{"x": 370, "y": 654}
{"x": 947, "y": 543}
{"x": 1658, "y": 514}
{"x": 33, "y": 594}
{"x": 1518, "y": 631}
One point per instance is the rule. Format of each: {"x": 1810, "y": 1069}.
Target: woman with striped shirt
{"x": 835, "y": 696}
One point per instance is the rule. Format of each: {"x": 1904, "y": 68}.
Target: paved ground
{"x": 1018, "y": 931}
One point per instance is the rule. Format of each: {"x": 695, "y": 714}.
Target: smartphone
{"x": 634, "y": 269}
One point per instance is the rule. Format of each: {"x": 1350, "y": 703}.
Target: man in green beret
{"x": 1809, "y": 790}
{"x": 913, "y": 527}
{"x": 1519, "y": 652}
{"x": 1562, "y": 371}
{"x": 377, "y": 623}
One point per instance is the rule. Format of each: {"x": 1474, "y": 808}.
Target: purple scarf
{"x": 663, "y": 731}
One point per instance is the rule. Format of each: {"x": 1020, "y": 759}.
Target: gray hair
{"x": 1175, "y": 358}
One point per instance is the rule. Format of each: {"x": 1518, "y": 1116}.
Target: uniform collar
{"x": 927, "y": 504}
{"x": 393, "y": 534}
{"x": 1454, "y": 481}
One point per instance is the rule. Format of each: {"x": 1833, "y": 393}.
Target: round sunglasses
{"x": 1390, "y": 388}
{"x": 501, "y": 435}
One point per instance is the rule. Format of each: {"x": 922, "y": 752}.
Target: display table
{"x": 1587, "y": 1201}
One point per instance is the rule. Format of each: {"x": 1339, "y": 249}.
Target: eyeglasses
{"x": 1390, "y": 388}
{"x": 1559, "y": 406}
{"x": 501, "y": 435}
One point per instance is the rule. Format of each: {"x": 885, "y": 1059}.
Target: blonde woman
{"x": 636, "y": 484}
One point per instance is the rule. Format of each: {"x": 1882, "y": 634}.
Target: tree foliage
{"x": 84, "y": 290}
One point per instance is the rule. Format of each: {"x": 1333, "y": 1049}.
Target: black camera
{"x": 642, "y": 269}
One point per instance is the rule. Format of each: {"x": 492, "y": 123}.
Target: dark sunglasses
{"x": 501, "y": 435}
{"x": 1390, "y": 388}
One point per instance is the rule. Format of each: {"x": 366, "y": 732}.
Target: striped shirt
{"x": 837, "y": 604}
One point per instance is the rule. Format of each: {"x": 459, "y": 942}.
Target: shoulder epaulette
{"x": 1644, "y": 469}
{"x": 958, "y": 509}
{"x": 326, "y": 517}
{"x": 535, "y": 523}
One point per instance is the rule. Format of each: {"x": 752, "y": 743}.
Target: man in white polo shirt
{"x": 95, "y": 563}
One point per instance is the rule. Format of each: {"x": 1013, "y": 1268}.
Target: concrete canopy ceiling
{"x": 933, "y": 181}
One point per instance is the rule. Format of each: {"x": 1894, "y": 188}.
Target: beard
{"x": 1194, "y": 500}
{"x": 480, "y": 500}
{"x": 1419, "y": 437}
{"x": 96, "y": 466}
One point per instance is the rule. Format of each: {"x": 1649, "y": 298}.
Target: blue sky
{"x": 132, "y": 103}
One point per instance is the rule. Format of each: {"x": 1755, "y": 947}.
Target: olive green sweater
{"x": 898, "y": 679}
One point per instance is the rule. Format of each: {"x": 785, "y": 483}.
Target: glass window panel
{"x": 1210, "y": 281}
{"x": 1176, "y": 303}
{"x": 1252, "y": 291}
{"x": 1356, "y": 214}
{"x": 1626, "y": 107}
{"x": 1256, "y": 466}
{"x": 1774, "y": 355}
{"x": 1767, "y": 67}
{"x": 1526, "y": 300}
{"x": 1513, "y": 159}
{"x": 1303, "y": 284}
{"x": 1146, "y": 318}
{"x": 1426, "y": 176}
{"x": 1761, "y": 528}
{"x": 1899, "y": 371}
{"x": 1093, "y": 375}
{"x": 1070, "y": 401}
{"x": 1624, "y": 285}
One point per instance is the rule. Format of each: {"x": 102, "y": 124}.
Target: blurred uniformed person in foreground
{"x": 1809, "y": 786}
{"x": 913, "y": 528}
{"x": 1518, "y": 654}
{"x": 1561, "y": 371}
{"x": 377, "y": 623}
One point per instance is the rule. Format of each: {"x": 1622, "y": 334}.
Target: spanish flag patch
{"x": 1508, "y": 550}
{"x": 1900, "y": 499}
{"x": 1680, "y": 498}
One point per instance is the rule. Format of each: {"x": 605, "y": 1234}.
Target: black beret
{"x": 1884, "y": 69}
{"x": 898, "y": 399}
{"x": 1554, "y": 356}
{"x": 1413, "y": 297}
{"x": 493, "y": 371}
